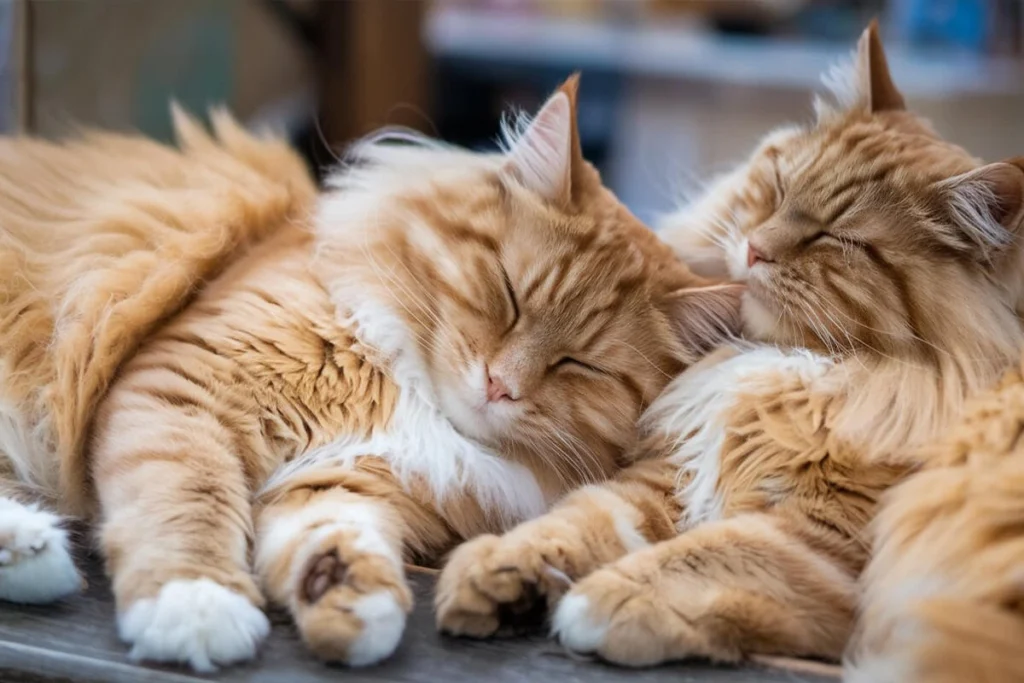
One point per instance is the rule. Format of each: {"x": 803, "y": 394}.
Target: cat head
{"x": 865, "y": 230}
{"x": 515, "y": 290}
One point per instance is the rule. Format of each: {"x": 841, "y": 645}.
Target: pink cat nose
{"x": 754, "y": 255}
{"x": 496, "y": 388}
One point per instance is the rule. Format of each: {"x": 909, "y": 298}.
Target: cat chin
{"x": 472, "y": 422}
{"x": 759, "y": 322}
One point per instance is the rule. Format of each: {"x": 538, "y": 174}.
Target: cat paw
{"x": 620, "y": 619}
{"x": 35, "y": 562}
{"x": 352, "y": 600}
{"x": 492, "y": 582}
{"x": 196, "y": 622}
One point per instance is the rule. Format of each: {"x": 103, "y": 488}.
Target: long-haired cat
{"x": 883, "y": 276}
{"x": 943, "y": 594}
{"x": 440, "y": 345}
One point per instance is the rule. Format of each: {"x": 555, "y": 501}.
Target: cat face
{"x": 539, "y": 313}
{"x": 865, "y": 230}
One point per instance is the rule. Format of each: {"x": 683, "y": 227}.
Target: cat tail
{"x": 103, "y": 237}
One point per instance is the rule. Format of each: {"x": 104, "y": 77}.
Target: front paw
{"x": 352, "y": 600}
{"x": 196, "y": 622}
{"x": 621, "y": 617}
{"x": 492, "y": 581}
{"x": 35, "y": 563}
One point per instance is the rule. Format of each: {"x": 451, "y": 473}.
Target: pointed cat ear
{"x": 704, "y": 317}
{"x": 874, "y": 83}
{"x": 546, "y": 157}
{"x": 987, "y": 204}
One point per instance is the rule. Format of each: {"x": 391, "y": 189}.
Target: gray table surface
{"x": 76, "y": 641}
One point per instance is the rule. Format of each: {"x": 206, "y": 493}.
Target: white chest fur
{"x": 694, "y": 408}
{"x": 420, "y": 443}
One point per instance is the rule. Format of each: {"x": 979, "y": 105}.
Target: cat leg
{"x": 491, "y": 580}
{"x": 36, "y": 566}
{"x": 330, "y": 548}
{"x": 175, "y": 529}
{"x": 723, "y": 591}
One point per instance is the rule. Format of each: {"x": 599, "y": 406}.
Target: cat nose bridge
{"x": 517, "y": 368}
{"x": 780, "y": 236}
{"x": 765, "y": 244}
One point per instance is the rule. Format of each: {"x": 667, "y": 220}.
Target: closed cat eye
{"x": 512, "y": 299}
{"x": 569, "y": 361}
{"x": 820, "y": 237}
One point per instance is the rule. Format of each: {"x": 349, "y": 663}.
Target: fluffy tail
{"x": 103, "y": 237}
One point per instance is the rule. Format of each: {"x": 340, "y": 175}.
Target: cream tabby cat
{"x": 883, "y": 265}
{"x": 459, "y": 340}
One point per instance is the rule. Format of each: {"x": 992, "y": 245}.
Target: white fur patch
{"x": 35, "y": 563}
{"x": 421, "y": 443}
{"x": 330, "y": 516}
{"x": 575, "y": 628}
{"x": 693, "y": 407}
{"x": 198, "y": 622}
{"x": 383, "y": 624}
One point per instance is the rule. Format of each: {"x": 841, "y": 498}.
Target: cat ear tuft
{"x": 546, "y": 156}
{"x": 877, "y": 91}
{"x": 705, "y": 317}
{"x": 987, "y": 204}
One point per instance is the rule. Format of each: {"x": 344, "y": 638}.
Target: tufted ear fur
{"x": 987, "y": 204}
{"x": 546, "y": 156}
{"x": 704, "y": 317}
{"x": 877, "y": 91}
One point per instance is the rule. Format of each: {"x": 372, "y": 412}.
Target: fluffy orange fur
{"x": 103, "y": 239}
{"x": 289, "y": 396}
{"x": 944, "y": 591}
{"x": 883, "y": 269}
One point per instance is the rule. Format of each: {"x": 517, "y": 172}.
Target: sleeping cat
{"x": 440, "y": 345}
{"x": 883, "y": 269}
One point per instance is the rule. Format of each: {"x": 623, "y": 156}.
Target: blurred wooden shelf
{"x": 686, "y": 51}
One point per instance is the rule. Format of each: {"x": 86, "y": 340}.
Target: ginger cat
{"x": 883, "y": 271}
{"x": 943, "y": 594}
{"x": 254, "y": 391}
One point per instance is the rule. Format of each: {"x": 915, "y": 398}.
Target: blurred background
{"x": 673, "y": 90}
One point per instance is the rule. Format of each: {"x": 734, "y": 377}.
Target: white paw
{"x": 198, "y": 622}
{"x": 383, "y": 622}
{"x": 35, "y": 564}
{"x": 574, "y": 627}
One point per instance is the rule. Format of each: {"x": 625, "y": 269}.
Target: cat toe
{"x": 352, "y": 605}
{"x": 496, "y": 585}
{"x": 611, "y": 616}
{"x": 196, "y": 622}
{"x": 36, "y": 566}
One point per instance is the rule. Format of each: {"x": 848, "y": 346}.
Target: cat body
{"x": 256, "y": 392}
{"x": 942, "y": 595}
{"x": 883, "y": 291}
